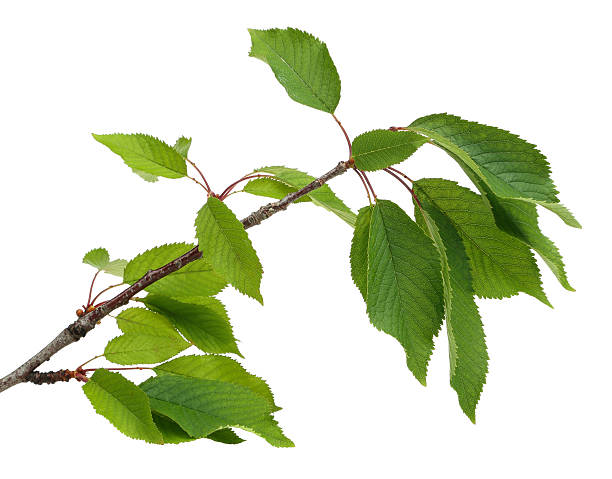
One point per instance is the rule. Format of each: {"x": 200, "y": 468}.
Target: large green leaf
{"x": 323, "y": 196}
{"x": 206, "y": 324}
{"x": 123, "y": 404}
{"x": 520, "y": 219}
{"x": 143, "y": 321}
{"x": 510, "y": 166}
{"x": 196, "y": 279}
{"x": 501, "y": 265}
{"x": 301, "y": 63}
{"x": 146, "y": 154}
{"x": 224, "y": 243}
{"x": 219, "y": 368}
{"x": 466, "y": 340}
{"x": 359, "y": 250}
{"x": 139, "y": 348}
{"x": 203, "y": 406}
{"x": 272, "y": 188}
{"x": 378, "y": 149}
{"x": 404, "y": 284}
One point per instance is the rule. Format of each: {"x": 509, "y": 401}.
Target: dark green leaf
{"x": 359, "y": 250}
{"x": 301, "y": 63}
{"x": 380, "y": 149}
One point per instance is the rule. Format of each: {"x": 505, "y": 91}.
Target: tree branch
{"x": 87, "y": 322}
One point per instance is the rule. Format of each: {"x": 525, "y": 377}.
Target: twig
{"x": 88, "y": 321}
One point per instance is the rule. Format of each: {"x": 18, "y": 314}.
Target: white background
{"x": 181, "y": 68}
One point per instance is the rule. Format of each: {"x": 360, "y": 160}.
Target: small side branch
{"x": 88, "y": 321}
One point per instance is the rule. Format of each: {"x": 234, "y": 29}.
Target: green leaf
{"x": 116, "y": 267}
{"x": 224, "y": 243}
{"x": 182, "y": 146}
{"x": 219, "y": 368}
{"x": 143, "y": 321}
{"x": 146, "y": 176}
{"x": 520, "y": 219}
{"x": 196, "y": 279}
{"x": 301, "y": 63}
{"x": 510, "y": 166}
{"x": 201, "y": 407}
{"x": 146, "y": 154}
{"x": 138, "y": 348}
{"x": 359, "y": 250}
{"x": 404, "y": 288}
{"x": 98, "y": 258}
{"x": 206, "y": 324}
{"x": 378, "y": 149}
{"x": 501, "y": 265}
{"x": 467, "y": 348}
{"x": 124, "y": 404}
{"x": 323, "y": 196}
{"x": 272, "y": 188}
{"x": 174, "y": 434}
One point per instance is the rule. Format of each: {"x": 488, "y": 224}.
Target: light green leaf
{"x": 219, "y": 368}
{"x": 124, "y": 404}
{"x": 202, "y": 406}
{"x": 182, "y": 146}
{"x": 139, "y": 348}
{"x": 98, "y": 258}
{"x": 359, "y": 250}
{"x": 116, "y": 267}
{"x": 224, "y": 243}
{"x": 143, "y": 321}
{"x": 272, "y": 188}
{"x": 404, "y": 288}
{"x": 520, "y": 219}
{"x": 146, "y": 154}
{"x": 467, "y": 348}
{"x": 146, "y": 176}
{"x": 206, "y": 324}
{"x": 378, "y": 149}
{"x": 511, "y": 167}
{"x": 196, "y": 279}
{"x": 501, "y": 265}
{"x": 323, "y": 196}
{"x": 301, "y": 63}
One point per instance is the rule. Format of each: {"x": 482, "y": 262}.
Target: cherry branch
{"x": 87, "y": 322}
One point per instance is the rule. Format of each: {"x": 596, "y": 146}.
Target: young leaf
{"x": 139, "y": 348}
{"x": 225, "y": 244}
{"x": 123, "y": 404}
{"x": 272, "y": 188}
{"x": 378, "y": 149}
{"x": 201, "y": 407}
{"x": 182, "y": 146}
{"x": 520, "y": 219}
{"x": 510, "y": 166}
{"x": 196, "y": 279}
{"x": 146, "y": 154}
{"x": 404, "y": 284}
{"x": 501, "y": 265}
{"x": 116, "y": 267}
{"x": 359, "y": 250}
{"x": 206, "y": 324}
{"x": 323, "y": 196}
{"x": 467, "y": 348}
{"x": 219, "y": 368}
{"x": 98, "y": 258}
{"x": 301, "y": 63}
